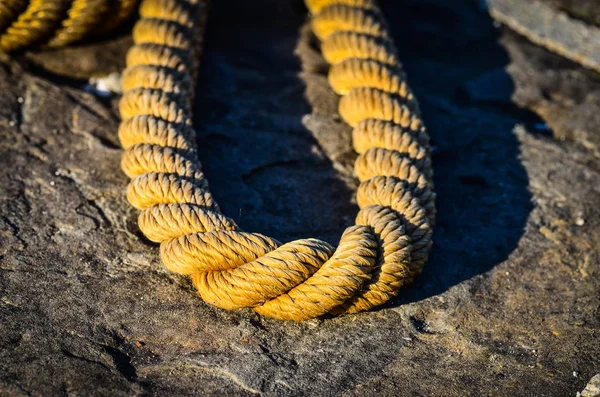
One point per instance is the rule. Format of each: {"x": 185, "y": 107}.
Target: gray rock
{"x": 586, "y": 10}
{"x": 507, "y": 305}
{"x": 551, "y": 28}
{"x": 593, "y": 388}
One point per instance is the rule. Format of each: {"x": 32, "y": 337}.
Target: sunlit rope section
{"x": 56, "y": 23}
{"x": 231, "y": 268}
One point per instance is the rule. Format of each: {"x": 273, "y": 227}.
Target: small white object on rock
{"x": 580, "y": 220}
{"x": 105, "y": 86}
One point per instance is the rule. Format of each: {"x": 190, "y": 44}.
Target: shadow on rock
{"x": 458, "y": 71}
{"x": 281, "y": 172}
{"x": 265, "y": 168}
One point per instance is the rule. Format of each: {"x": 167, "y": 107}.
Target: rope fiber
{"x": 303, "y": 279}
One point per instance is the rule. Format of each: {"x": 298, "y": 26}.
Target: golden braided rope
{"x": 57, "y": 23}
{"x": 231, "y": 268}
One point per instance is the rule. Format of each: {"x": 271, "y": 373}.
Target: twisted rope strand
{"x": 35, "y": 23}
{"x": 58, "y": 22}
{"x": 231, "y": 268}
{"x": 9, "y": 11}
{"x": 83, "y": 16}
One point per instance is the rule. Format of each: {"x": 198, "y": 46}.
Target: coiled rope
{"x": 302, "y": 279}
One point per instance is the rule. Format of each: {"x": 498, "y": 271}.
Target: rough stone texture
{"x": 592, "y": 389}
{"x": 545, "y": 25}
{"x": 586, "y": 10}
{"x": 507, "y": 306}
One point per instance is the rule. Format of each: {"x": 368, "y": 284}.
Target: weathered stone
{"x": 565, "y": 95}
{"x": 507, "y": 305}
{"x": 551, "y": 28}
{"x": 592, "y": 389}
{"x": 586, "y": 10}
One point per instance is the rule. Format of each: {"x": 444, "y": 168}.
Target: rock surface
{"x": 507, "y": 306}
{"x": 586, "y": 10}
{"x": 592, "y": 389}
{"x": 551, "y": 28}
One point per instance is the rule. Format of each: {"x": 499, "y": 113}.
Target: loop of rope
{"x": 231, "y": 268}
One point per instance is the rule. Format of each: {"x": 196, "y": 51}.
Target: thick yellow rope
{"x": 231, "y": 268}
{"x": 58, "y": 22}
